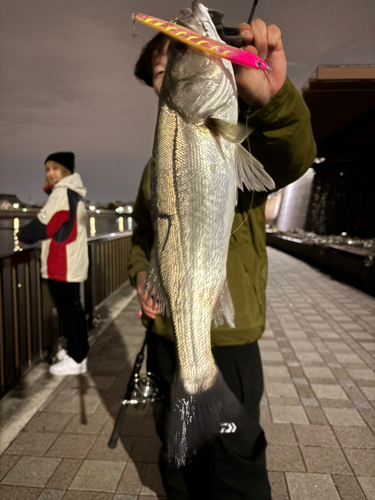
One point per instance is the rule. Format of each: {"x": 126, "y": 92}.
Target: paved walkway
{"x": 318, "y": 410}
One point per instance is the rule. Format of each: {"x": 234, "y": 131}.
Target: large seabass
{"x": 198, "y": 164}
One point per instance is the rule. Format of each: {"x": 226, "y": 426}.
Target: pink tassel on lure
{"x": 203, "y": 43}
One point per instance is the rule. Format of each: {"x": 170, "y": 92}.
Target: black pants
{"x": 232, "y": 466}
{"x": 68, "y": 305}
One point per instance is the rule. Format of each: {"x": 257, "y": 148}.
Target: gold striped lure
{"x": 203, "y": 43}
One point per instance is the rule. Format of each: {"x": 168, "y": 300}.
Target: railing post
{"x": 15, "y": 320}
{"x": 39, "y": 306}
{"x": 28, "y": 315}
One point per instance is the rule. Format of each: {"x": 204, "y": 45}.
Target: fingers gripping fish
{"x": 198, "y": 165}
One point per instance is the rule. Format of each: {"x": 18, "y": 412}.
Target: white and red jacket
{"x": 62, "y": 227}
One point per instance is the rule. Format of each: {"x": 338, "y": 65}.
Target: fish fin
{"x": 154, "y": 288}
{"x": 197, "y": 418}
{"x": 250, "y": 172}
{"x": 224, "y": 308}
{"x": 231, "y": 132}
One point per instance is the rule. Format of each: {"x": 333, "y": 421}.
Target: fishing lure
{"x": 203, "y": 43}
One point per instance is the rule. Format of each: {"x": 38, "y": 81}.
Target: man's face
{"x": 159, "y": 63}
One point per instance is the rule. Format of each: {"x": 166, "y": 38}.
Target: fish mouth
{"x": 190, "y": 18}
{"x": 187, "y": 19}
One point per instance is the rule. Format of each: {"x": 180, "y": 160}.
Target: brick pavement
{"x": 318, "y": 409}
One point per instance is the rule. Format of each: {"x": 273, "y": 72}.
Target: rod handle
{"x": 112, "y": 443}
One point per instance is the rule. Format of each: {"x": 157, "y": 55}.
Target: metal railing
{"x": 108, "y": 257}
{"x": 21, "y": 315}
{"x": 29, "y": 325}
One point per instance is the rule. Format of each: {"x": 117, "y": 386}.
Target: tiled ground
{"x": 318, "y": 409}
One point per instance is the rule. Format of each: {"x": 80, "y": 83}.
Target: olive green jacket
{"x": 282, "y": 141}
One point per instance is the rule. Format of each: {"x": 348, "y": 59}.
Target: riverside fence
{"x": 29, "y": 326}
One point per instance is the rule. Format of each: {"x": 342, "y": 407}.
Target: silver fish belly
{"x": 195, "y": 189}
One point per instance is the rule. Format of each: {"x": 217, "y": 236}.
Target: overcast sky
{"x": 67, "y": 81}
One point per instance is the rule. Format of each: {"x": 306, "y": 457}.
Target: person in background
{"x": 64, "y": 258}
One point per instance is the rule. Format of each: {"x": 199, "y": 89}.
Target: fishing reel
{"x": 145, "y": 390}
{"x": 141, "y": 390}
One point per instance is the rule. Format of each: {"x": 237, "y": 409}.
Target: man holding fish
{"x": 192, "y": 260}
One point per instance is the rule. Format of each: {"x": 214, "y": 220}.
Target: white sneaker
{"x": 61, "y": 354}
{"x": 68, "y": 366}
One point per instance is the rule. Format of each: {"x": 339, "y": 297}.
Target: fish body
{"x": 198, "y": 164}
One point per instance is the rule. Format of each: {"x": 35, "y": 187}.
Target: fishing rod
{"x": 252, "y": 11}
{"x": 230, "y": 35}
{"x": 139, "y": 392}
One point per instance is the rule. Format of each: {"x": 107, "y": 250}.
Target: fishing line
{"x": 247, "y": 215}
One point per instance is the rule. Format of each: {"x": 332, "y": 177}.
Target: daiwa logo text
{"x": 228, "y": 428}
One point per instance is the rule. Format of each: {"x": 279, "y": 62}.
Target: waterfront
{"x": 97, "y": 224}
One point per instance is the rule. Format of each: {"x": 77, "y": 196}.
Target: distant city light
{"x": 24, "y": 210}
{"x": 113, "y": 234}
{"x": 16, "y": 228}
{"x": 92, "y": 227}
{"x": 97, "y": 211}
{"x": 119, "y": 210}
{"x": 92, "y": 207}
{"x": 129, "y": 209}
{"x": 320, "y": 160}
{"x": 16, "y": 205}
{"x": 344, "y": 234}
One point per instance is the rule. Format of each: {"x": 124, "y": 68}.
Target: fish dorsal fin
{"x": 250, "y": 172}
{"x": 224, "y": 308}
{"x": 231, "y": 132}
{"x": 154, "y": 288}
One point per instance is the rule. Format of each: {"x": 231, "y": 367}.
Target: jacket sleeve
{"x": 282, "y": 139}
{"x": 55, "y": 213}
{"x": 143, "y": 235}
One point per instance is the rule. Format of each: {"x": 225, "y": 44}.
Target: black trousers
{"x": 68, "y": 304}
{"x": 232, "y": 466}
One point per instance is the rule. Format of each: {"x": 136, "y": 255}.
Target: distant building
{"x": 8, "y": 201}
{"x": 338, "y": 198}
{"x": 341, "y": 100}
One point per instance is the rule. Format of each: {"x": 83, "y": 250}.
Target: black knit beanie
{"x": 66, "y": 159}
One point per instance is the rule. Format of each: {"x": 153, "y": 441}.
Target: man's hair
{"x": 143, "y": 68}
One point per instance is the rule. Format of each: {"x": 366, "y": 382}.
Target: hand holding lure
{"x": 203, "y": 43}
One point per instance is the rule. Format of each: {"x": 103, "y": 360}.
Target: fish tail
{"x": 197, "y": 418}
